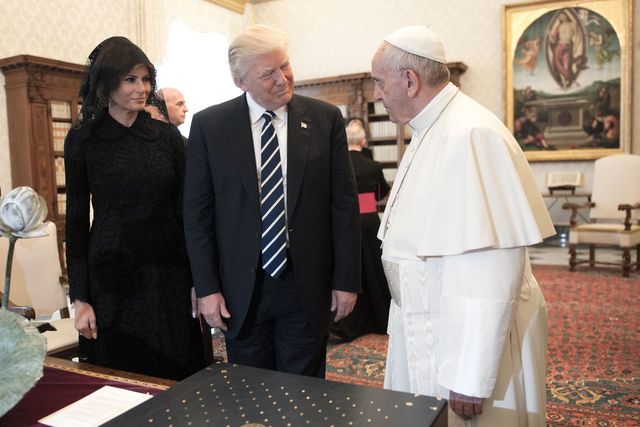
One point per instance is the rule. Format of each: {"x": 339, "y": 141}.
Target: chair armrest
{"x": 574, "y": 210}
{"x": 627, "y": 218}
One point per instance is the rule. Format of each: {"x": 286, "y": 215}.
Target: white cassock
{"x": 467, "y": 314}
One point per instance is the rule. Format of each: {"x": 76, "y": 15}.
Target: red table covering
{"x": 60, "y": 387}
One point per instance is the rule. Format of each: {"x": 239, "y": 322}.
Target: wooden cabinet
{"x": 42, "y": 102}
{"x": 353, "y": 93}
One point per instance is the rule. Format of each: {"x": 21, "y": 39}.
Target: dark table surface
{"x": 231, "y": 395}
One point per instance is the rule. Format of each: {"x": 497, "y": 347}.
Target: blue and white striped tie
{"x": 274, "y": 240}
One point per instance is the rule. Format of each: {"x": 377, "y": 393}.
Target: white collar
{"x": 432, "y": 110}
{"x": 256, "y": 111}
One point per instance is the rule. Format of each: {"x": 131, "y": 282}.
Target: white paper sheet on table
{"x": 96, "y": 408}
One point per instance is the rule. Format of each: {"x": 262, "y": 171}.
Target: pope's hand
{"x": 464, "y": 406}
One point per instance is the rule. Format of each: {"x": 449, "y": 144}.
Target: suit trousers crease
{"x": 276, "y": 333}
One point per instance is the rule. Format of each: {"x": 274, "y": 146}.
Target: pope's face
{"x": 390, "y": 88}
{"x": 269, "y": 80}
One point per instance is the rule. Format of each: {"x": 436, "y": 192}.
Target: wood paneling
{"x": 32, "y": 83}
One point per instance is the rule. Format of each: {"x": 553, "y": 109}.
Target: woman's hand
{"x": 85, "y": 321}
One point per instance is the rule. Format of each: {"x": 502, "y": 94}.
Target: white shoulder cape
{"x": 468, "y": 187}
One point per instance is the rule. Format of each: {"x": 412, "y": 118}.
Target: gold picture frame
{"x": 568, "y": 77}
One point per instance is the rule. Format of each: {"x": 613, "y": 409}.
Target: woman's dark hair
{"x": 107, "y": 64}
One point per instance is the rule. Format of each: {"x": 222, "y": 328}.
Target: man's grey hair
{"x": 255, "y": 41}
{"x": 433, "y": 73}
{"x": 355, "y": 133}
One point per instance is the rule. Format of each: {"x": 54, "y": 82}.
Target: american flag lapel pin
{"x": 303, "y": 125}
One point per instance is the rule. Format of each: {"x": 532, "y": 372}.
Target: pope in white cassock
{"x": 468, "y": 321}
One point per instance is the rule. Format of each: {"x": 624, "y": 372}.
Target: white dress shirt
{"x": 280, "y": 124}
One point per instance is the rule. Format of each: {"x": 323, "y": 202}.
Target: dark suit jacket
{"x": 369, "y": 176}
{"x": 222, "y": 207}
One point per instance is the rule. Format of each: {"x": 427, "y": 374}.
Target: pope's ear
{"x": 412, "y": 82}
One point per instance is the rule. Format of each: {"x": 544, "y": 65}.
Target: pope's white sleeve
{"x": 479, "y": 295}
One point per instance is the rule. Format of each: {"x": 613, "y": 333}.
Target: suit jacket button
{"x": 252, "y": 269}
{"x": 290, "y": 230}
{"x": 257, "y": 235}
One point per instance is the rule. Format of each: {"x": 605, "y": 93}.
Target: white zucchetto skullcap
{"x": 418, "y": 40}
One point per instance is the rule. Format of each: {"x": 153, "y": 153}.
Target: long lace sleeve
{"x": 77, "y": 217}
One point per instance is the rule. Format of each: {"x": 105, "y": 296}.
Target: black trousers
{"x": 276, "y": 334}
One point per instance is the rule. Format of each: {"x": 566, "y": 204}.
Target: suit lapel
{"x": 241, "y": 146}
{"x": 299, "y": 129}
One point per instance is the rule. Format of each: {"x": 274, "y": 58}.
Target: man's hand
{"x": 342, "y": 303}
{"x": 213, "y": 308}
{"x": 85, "y": 320}
{"x": 464, "y": 406}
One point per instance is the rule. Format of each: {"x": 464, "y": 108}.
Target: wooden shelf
{"x": 382, "y": 141}
{"x": 34, "y": 87}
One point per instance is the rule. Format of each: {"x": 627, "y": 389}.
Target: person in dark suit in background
{"x": 371, "y": 312}
{"x": 271, "y": 288}
{"x": 169, "y": 106}
{"x": 176, "y": 105}
{"x": 366, "y": 151}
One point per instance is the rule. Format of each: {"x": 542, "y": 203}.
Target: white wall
{"x": 333, "y": 37}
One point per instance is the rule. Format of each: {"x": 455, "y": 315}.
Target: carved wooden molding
{"x": 37, "y": 87}
{"x": 235, "y": 5}
{"x": 34, "y": 62}
{"x": 36, "y": 70}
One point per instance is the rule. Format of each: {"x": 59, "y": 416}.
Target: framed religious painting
{"x": 568, "y": 77}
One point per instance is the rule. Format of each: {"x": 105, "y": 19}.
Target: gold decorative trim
{"x": 82, "y": 369}
{"x": 235, "y": 5}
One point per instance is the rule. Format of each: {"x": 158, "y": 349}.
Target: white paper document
{"x": 96, "y": 408}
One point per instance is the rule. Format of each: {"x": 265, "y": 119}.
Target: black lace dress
{"x": 131, "y": 263}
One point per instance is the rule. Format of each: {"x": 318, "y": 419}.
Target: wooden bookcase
{"x": 353, "y": 93}
{"x": 42, "y": 102}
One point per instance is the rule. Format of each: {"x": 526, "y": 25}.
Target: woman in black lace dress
{"x": 128, "y": 270}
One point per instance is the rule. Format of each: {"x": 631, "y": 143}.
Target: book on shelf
{"x": 62, "y": 203}
{"x": 60, "y": 110}
{"x": 60, "y": 130}
{"x": 389, "y": 174}
{"x": 385, "y": 153}
{"x": 378, "y": 108}
{"x": 408, "y": 132}
{"x": 60, "y": 178}
{"x": 379, "y": 130}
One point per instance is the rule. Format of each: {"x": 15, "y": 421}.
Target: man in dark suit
{"x": 271, "y": 213}
{"x": 371, "y": 311}
{"x": 365, "y": 151}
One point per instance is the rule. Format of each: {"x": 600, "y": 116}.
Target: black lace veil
{"x": 107, "y": 64}
{"x": 160, "y": 103}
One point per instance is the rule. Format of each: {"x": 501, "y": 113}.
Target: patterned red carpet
{"x": 593, "y": 363}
